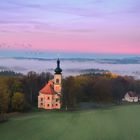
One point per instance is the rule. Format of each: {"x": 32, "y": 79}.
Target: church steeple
{"x": 58, "y": 78}
{"x": 58, "y": 70}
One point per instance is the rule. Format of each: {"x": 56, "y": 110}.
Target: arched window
{"x": 57, "y": 81}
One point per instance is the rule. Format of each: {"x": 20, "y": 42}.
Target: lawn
{"x": 116, "y": 123}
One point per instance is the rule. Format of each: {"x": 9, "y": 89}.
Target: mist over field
{"x": 73, "y": 66}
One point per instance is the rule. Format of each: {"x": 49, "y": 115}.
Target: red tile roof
{"x": 48, "y": 88}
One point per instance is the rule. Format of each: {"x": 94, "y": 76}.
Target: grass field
{"x": 116, "y": 123}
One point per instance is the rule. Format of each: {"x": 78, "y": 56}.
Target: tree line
{"x": 20, "y": 92}
{"x": 98, "y": 88}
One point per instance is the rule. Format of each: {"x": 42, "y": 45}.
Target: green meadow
{"x": 116, "y": 123}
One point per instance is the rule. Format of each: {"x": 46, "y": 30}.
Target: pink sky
{"x": 71, "y": 42}
{"x": 94, "y": 26}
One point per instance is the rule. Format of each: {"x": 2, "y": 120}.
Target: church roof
{"x": 48, "y": 88}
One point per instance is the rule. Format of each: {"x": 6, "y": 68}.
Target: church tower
{"x": 58, "y": 78}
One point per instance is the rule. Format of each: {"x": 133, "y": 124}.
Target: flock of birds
{"x": 28, "y": 49}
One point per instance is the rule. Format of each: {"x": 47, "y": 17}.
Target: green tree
{"x": 19, "y": 102}
{"x": 4, "y": 101}
{"x": 13, "y": 85}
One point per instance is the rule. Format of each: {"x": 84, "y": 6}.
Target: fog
{"x": 69, "y": 66}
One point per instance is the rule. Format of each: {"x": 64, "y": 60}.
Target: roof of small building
{"x": 48, "y": 88}
{"x": 132, "y": 94}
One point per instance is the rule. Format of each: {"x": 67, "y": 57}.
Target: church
{"x": 50, "y": 95}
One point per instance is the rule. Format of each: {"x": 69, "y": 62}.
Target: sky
{"x": 79, "y": 26}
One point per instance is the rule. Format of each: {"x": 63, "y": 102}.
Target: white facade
{"x": 131, "y": 98}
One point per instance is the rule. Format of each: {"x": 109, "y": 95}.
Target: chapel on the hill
{"x": 50, "y": 95}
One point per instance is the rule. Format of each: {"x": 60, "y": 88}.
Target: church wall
{"x": 41, "y": 101}
{"x": 58, "y": 106}
{"x": 57, "y": 88}
{"x": 48, "y": 101}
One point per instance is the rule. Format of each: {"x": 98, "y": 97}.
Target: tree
{"x": 120, "y": 86}
{"x": 102, "y": 90}
{"x": 18, "y": 102}
{"x": 84, "y": 88}
{"x": 13, "y": 85}
{"x": 32, "y": 83}
{"x": 69, "y": 93}
{"x": 4, "y": 100}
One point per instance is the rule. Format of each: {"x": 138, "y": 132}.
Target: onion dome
{"x": 58, "y": 70}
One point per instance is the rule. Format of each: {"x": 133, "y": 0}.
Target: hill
{"x": 116, "y": 123}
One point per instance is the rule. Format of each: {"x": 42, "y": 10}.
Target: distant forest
{"x": 20, "y": 92}
{"x": 10, "y": 73}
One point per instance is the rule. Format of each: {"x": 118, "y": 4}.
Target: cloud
{"x": 61, "y": 14}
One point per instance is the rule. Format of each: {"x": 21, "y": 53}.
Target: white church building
{"x": 50, "y": 95}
